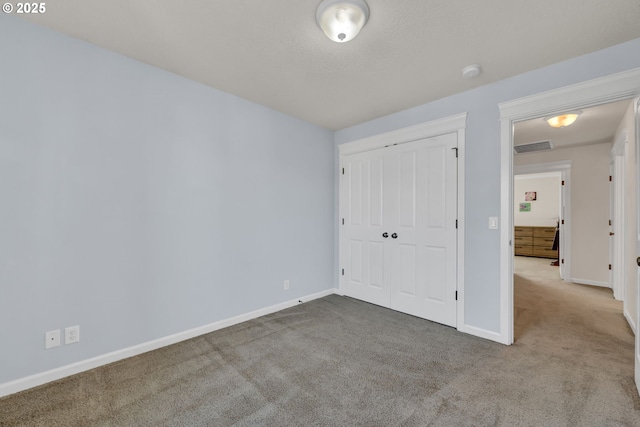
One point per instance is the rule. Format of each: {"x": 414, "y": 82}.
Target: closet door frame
{"x": 453, "y": 124}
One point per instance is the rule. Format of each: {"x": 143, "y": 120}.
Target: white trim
{"x": 611, "y": 88}
{"x": 408, "y": 134}
{"x": 615, "y": 87}
{"x": 451, "y": 124}
{"x": 630, "y": 321}
{"x": 506, "y": 232}
{"x": 534, "y": 175}
{"x": 542, "y": 167}
{"x": 618, "y": 194}
{"x": 590, "y": 282}
{"x": 482, "y": 333}
{"x": 85, "y": 365}
{"x": 461, "y": 224}
{"x": 620, "y": 145}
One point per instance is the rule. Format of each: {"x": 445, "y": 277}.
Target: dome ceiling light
{"x": 342, "y": 20}
{"x": 563, "y": 120}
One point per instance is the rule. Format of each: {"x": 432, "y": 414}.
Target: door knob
{"x": 638, "y": 261}
{"x": 395, "y": 236}
{"x": 385, "y": 234}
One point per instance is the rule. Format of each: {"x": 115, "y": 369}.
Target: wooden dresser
{"x": 534, "y": 241}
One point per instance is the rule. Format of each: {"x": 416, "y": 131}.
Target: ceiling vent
{"x": 533, "y": 146}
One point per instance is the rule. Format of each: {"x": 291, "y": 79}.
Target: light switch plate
{"x": 493, "y": 222}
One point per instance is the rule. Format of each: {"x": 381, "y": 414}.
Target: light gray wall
{"x": 482, "y": 173}
{"x": 139, "y": 204}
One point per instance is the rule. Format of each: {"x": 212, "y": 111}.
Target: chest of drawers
{"x": 534, "y": 241}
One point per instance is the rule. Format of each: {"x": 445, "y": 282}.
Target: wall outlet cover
{"x": 52, "y": 339}
{"x": 72, "y": 334}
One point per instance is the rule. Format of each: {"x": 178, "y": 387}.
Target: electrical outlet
{"x": 71, "y": 334}
{"x": 286, "y": 285}
{"x": 52, "y": 339}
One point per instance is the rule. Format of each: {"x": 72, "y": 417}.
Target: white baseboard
{"x": 104, "y": 359}
{"x": 483, "y": 333}
{"x": 630, "y": 321}
{"x": 590, "y": 282}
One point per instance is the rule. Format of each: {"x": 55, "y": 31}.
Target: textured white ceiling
{"x": 595, "y": 125}
{"x": 410, "y": 52}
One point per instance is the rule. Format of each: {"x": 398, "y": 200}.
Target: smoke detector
{"x": 471, "y": 71}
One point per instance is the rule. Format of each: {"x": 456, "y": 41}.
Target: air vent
{"x": 533, "y": 146}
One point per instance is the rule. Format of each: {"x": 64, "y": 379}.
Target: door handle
{"x": 395, "y": 236}
{"x": 385, "y": 234}
{"x": 611, "y": 233}
{"x": 638, "y": 261}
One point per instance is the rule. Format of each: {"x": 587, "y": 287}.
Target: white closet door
{"x": 365, "y": 264}
{"x": 399, "y": 236}
{"x": 423, "y": 255}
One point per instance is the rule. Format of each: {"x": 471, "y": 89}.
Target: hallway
{"x": 546, "y": 306}
{"x": 581, "y": 325}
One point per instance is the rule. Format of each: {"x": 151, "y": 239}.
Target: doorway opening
{"x": 548, "y": 217}
{"x": 621, "y": 86}
{"x": 580, "y": 162}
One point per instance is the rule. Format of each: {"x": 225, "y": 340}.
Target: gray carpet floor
{"x": 341, "y": 362}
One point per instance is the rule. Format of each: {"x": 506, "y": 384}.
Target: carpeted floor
{"x": 341, "y": 362}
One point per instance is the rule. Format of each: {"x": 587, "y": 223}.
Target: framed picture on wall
{"x": 525, "y": 207}
{"x": 530, "y": 196}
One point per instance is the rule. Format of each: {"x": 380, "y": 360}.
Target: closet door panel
{"x": 432, "y": 235}
{"x": 434, "y": 274}
{"x": 406, "y": 272}
{"x": 365, "y": 260}
{"x": 376, "y": 261}
{"x": 407, "y": 189}
{"x": 355, "y": 253}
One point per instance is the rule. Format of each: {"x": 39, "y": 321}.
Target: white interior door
{"x": 364, "y": 217}
{"x": 565, "y": 228}
{"x": 612, "y": 237}
{"x": 637, "y": 296}
{"x": 423, "y": 256}
{"x": 399, "y": 232}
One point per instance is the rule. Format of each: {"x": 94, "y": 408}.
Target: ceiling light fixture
{"x": 563, "y": 120}
{"x": 342, "y": 20}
